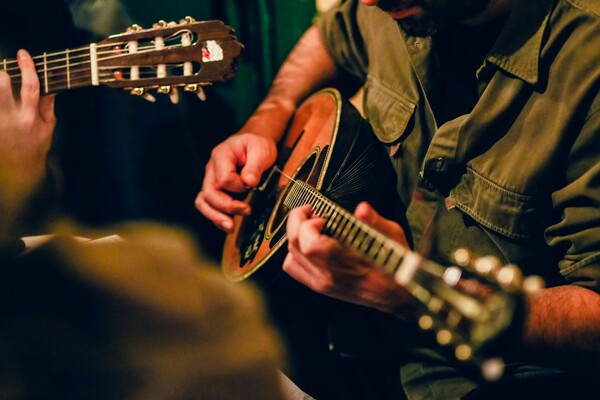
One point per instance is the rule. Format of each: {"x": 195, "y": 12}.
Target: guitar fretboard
{"x": 57, "y": 71}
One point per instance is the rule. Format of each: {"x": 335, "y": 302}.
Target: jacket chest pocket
{"x": 388, "y": 112}
{"x": 513, "y": 215}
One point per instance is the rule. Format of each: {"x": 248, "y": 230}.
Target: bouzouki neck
{"x": 470, "y": 306}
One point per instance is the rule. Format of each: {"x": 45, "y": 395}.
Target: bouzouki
{"x": 331, "y": 160}
{"x": 187, "y": 54}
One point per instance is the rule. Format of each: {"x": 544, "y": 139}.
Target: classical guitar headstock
{"x": 186, "y": 54}
{"x": 474, "y": 307}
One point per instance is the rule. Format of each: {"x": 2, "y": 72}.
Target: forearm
{"x": 562, "y": 329}
{"x": 307, "y": 68}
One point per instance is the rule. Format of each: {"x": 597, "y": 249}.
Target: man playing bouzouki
{"x": 489, "y": 111}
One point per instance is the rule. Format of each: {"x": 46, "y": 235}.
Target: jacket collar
{"x": 519, "y": 45}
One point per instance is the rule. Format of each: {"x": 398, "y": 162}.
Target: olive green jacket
{"x": 519, "y": 176}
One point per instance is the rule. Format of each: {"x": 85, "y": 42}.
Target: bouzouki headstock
{"x": 474, "y": 307}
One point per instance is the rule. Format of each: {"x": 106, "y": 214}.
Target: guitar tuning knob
{"x": 164, "y": 89}
{"x": 194, "y": 87}
{"x": 487, "y": 265}
{"x": 174, "y": 96}
{"x": 187, "y": 20}
{"x": 160, "y": 24}
{"x": 492, "y": 369}
{"x": 463, "y": 352}
{"x": 142, "y": 93}
{"x": 444, "y": 337}
{"x": 532, "y": 284}
{"x": 425, "y": 322}
{"x": 134, "y": 28}
{"x": 462, "y": 257}
{"x": 509, "y": 276}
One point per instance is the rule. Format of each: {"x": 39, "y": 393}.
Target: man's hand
{"x": 26, "y": 127}
{"x": 235, "y": 166}
{"x": 322, "y": 264}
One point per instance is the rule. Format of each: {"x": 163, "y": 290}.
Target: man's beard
{"x": 438, "y": 15}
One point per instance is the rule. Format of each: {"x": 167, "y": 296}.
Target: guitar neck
{"x": 58, "y": 71}
{"x": 188, "y": 54}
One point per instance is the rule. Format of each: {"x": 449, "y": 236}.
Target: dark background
{"x": 120, "y": 158}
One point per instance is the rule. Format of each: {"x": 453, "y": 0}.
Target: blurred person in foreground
{"x": 146, "y": 317}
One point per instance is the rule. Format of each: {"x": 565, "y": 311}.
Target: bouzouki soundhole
{"x": 330, "y": 147}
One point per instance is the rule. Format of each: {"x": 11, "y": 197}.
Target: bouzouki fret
{"x": 335, "y": 220}
{"x": 366, "y": 242}
{"x": 385, "y": 252}
{"x": 375, "y": 249}
{"x": 340, "y": 228}
{"x": 346, "y": 231}
{"x": 393, "y": 262}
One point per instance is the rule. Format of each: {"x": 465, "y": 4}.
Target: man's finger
{"x": 391, "y": 229}
{"x": 30, "y": 84}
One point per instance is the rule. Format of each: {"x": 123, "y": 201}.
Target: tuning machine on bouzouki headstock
{"x": 474, "y": 307}
{"x": 169, "y": 55}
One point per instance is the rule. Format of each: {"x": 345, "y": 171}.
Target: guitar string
{"x": 110, "y": 46}
{"x": 86, "y": 62}
{"x": 86, "y": 53}
{"x": 305, "y": 191}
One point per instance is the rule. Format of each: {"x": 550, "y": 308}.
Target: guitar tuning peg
{"x": 462, "y": 257}
{"x": 509, "y": 276}
{"x": 174, "y": 96}
{"x": 160, "y": 24}
{"x": 463, "y": 352}
{"x": 142, "y": 93}
{"x": 194, "y": 87}
{"x": 487, "y": 265}
{"x": 532, "y": 284}
{"x": 443, "y": 337}
{"x": 187, "y": 20}
{"x": 134, "y": 28}
{"x": 492, "y": 369}
{"x": 171, "y": 91}
{"x": 425, "y": 322}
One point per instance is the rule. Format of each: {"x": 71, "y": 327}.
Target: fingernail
{"x": 22, "y": 54}
{"x": 252, "y": 178}
{"x": 227, "y": 225}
